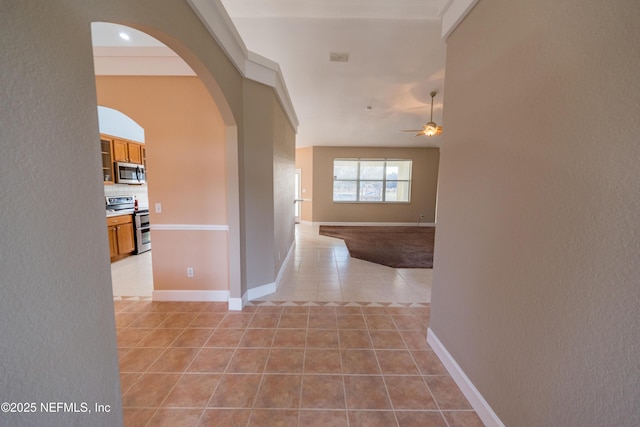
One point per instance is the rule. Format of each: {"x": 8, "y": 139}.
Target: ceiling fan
{"x": 431, "y": 128}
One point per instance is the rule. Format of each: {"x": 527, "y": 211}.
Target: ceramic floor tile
{"x": 341, "y": 343}
{"x": 225, "y": 338}
{"x": 462, "y": 419}
{"x": 428, "y": 362}
{"x": 192, "y": 390}
{"x": 353, "y": 339}
{"x": 285, "y": 360}
{"x": 257, "y": 338}
{"x": 139, "y": 359}
{"x": 323, "y": 418}
{"x": 235, "y": 391}
{"x": 447, "y": 393}
{"x": 279, "y": 391}
{"x": 359, "y": 362}
{"x": 318, "y": 338}
{"x": 137, "y": 416}
{"x": 273, "y": 417}
{"x": 224, "y": 417}
{"x": 421, "y": 418}
{"x": 372, "y": 419}
{"x": 397, "y": 362}
{"x": 174, "y": 360}
{"x": 322, "y": 391}
{"x": 211, "y": 360}
{"x": 409, "y": 392}
{"x": 322, "y": 361}
{"x": 176, "y": 417}
{"x": 150, "y": 390}
{"x": 192, "y": 338}
{"x": 366, "y": 392}
{"x": 387, "y": 339}
{"x": 248, "y": 360}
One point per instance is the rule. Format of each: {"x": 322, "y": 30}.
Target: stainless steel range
{"x": 123, "y": 205}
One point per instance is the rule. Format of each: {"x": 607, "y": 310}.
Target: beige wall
{"x": 304, "y": 162}
{"x": 423, "y": 186}
{"x": 185, "y": 143}
{"x": 536, "y": 266}
{"x": 268, "y": 208}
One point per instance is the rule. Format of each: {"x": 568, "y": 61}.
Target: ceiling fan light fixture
{"x": 431, "y": 129}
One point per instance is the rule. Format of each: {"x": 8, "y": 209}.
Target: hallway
{"x": 318, "y": 352}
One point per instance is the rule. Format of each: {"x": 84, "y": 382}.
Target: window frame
{"x": 358, "y": 180}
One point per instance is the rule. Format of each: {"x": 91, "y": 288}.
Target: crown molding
{"x": 453, "y": 15}
{"x": 250, "y": 65}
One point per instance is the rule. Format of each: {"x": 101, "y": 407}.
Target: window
{"x": 371, "y": 180}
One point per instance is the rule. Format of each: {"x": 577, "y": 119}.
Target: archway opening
{"x": 186, "y": 138}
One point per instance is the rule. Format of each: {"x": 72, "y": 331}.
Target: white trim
{"x": 189, "y": 227}
{"x": 236, "y": 304}
{"x": 251, "y": 65}
{"x": 219, "y": 296}
{"x": 479, "y": 404}
{"x": 260, "y": 291}
{"x": 384, "y": 224}
{"x": 269, "y": 288}
{"x": 455, "y": 12}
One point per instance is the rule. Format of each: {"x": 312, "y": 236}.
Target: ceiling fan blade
{"x": 412, "y": 130}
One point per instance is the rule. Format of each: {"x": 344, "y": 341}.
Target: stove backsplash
{"x": 138, "y": 191}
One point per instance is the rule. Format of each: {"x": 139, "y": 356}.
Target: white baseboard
{"x": 378, "y": 224}
{"x": 217, "y": 296}
{"x": 269, "y": 288}
{"x": 236, "y": 304}
{"x": 479, "y": 404}
{"x": 260, "y": 291}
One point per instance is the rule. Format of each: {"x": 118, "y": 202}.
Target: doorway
{"x": 297, "y": 198}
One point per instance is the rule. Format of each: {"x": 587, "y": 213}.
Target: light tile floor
{"x": 132, "y": 276}
{"x": 319, "y": 269}
{"x": 294, "y": 358}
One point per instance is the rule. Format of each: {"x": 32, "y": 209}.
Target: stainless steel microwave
{"x": 129, "y": 173}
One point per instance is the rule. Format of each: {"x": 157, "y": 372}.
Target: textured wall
{"x": 57, "y": 340}
{"x": 536, "y": 273}
{"x": 268, "y": 157}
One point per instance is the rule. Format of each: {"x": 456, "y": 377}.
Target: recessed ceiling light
{"x": 124, "y": 35}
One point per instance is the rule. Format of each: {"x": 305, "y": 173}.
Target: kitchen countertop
{"x": 120, "y": 212}
{"x": 131, "y": 211}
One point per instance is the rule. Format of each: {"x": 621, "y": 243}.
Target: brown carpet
{"x": 398, "y": 247}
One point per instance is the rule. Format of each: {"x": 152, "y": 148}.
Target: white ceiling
{"x": 396, "y": 57}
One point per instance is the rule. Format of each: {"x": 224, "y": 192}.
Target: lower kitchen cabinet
{"x": 121, "y": 237}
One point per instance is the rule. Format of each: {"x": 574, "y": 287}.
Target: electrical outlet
{"x": 158, "y": 207}
{"x": 189, "y": 271}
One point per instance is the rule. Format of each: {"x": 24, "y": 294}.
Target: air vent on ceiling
{"x": 338, "y": 57}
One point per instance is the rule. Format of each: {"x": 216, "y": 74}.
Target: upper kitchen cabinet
{"x": 127, "y": 151}
{"x": 107, "y": 159}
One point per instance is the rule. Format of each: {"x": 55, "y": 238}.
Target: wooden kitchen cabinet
{"x": 121, "y": 237}
{"x": 126, "y": 151}
{"x": 107, "y": 160}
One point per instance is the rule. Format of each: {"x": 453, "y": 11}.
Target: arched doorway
{"x": 192, "y": 181}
